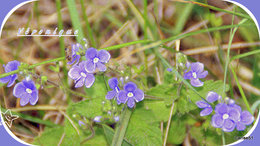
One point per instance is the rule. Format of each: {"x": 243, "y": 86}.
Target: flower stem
{"x": 121, "y": 127}
{"x": 31, "y": 66}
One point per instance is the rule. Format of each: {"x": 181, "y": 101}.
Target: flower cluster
{"x": 130, "y": 93}
{"x": 25, "y": 90}
{"x": 228, "y": 115}
{"x": 83, "y": 73}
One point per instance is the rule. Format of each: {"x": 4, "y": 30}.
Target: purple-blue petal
{"x": 212, "y": 96}
{"x": 101, "y": 67}
{"x": 131, "y": 102}
{"x": 217, "y": 121}
{"x": 90, "y": 66}
{"x": 246, "y": 118}
{"x": 103, "y": 56}
{"x": 24, "y": 99}
{"x": 91, "y": 53}
{"x": 19, "y": 89}
{"x": 138, "y": 95}
{"x": 202, "y": 104}
{"x": 12, "y": 65}
{"x": 12, "y": 80}
{"x": 89, "y": 80}
{"x": 221, "y": 108}
{"x": 236, "y": 107}
{"x": 111, "y": 94}
{"x": 206, "y": 111}
{"x": 29, "y": 84}
{"x": 5, "y": 79}
{"x": 81, "y": 123}
{"x": 202, "y": 74}
{"x": 80, "y": 82}
{"x": 34, "y": 97}
{"x": 240, "y": 126}
{"x": 188, "y": 75}
{"x": 113, "y": 83}
{"x": 74, "y": 73}
{"x": 234, "y": 114}
{"x": 130, "y": 87}
{"x": 196, "y": 83}
{"x": 122, "y": 96}
{"x": 228, "y": 125}
{"x": 197, "y": 67}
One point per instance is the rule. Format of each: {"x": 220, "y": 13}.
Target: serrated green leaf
{"x": 50, "y": 136}
{"x": 109, "y": 133}
{"x": 98, "y": 139}
{"x": 98, "y": 89}
{"x": 167, "y": 92}
{"x": 86, "y": 108}
{"x": 210, "y": 85}
{"x": 144, "y": 134}
{"x": 183, "y": 105}
{"x": 177, "y": 131}
{"x": 159, "y": 109}
{"x": 71, "y": 135}
{"x": 141, "y": 130}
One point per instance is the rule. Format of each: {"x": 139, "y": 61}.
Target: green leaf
{"x": 109, "y": 133}
{"x": 71, "y": 135}
{"x": 165, "y": 91}
{"x": 177, "y": 131}
{"x": 98, "y": 139}
{"x": 50, "y": 136}
{"x": 98, "y": 89}
{"x": 86, "y": 108}
{"x": 159, "y": 109}
{"x": 141, "y": 131}
{"x": 183, "y": 105}
{"x": 209, "y": 85}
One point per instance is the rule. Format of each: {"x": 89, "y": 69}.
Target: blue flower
{"x": 113, "y": 84}
{"x": 245, "y": 119}
{"x": 130, "y": 94}
{"x": 81, "y": 123}
{"x": 81, "y": 76}
{"x": 196, "y": 72}
{"x": 226, "y": 117}
{"x": 96, "y": 59}
{"x": 75, "y": 56}
{"x": 97, "y": 119}
{"x": 207, "y": 109}
{"x": 27, "y": 92}
{"x": 10, "y": 66}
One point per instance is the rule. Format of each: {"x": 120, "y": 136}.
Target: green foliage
{"x": 98, "y": 139}
{"x": 86, "y": 108}
{"x": 109, "y": 133}
{"x": 143, "y": 128}
{"x": 209, "y": 85}
{"x": 177, "y": 131}
{"x": 159, "y": 109}
{"x": 98, "y": 89}
{"x": 50, "y": 136}
{"x": 167, "y": 92}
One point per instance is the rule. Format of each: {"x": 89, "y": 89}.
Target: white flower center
{"x": 117, "y": 89}
{"x": 95, "y": 60}
{"x": 28, "y": 90}
{"x": 225, "y": 116}
{"x": 130, "y": 94}
{"x": 83, "y": 74}
{"x": 194, "y": 75}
